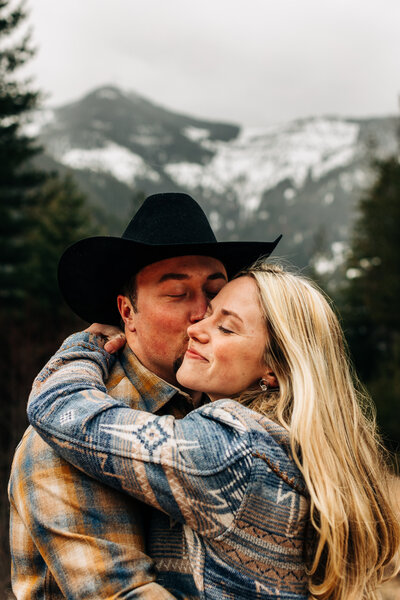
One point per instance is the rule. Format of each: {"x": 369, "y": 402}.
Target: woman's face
{"x": 225, "y": 353}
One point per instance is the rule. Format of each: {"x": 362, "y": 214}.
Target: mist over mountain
{"x": 302, "y": 178}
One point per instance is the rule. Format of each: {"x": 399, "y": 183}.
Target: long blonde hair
{"x": 333, "y": 438}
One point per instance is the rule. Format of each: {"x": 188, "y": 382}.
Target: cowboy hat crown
{"x": 165, "y": 219}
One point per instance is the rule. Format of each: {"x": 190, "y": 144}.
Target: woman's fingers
{"x": 113, "y": 338}
{"x": 116, "y": 343}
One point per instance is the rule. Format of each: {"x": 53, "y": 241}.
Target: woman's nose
{"x": 198, "y": 332}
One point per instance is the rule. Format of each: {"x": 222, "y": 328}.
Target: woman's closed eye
{"x": 225, "y": 330}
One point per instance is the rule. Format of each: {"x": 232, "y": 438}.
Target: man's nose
{"x": 198, "y": 309}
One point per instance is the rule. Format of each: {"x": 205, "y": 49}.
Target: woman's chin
{"x": 188, "y": 380}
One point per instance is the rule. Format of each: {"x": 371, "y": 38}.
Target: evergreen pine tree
{"x": 371, "y": 313}
{"x": 59, "y": 218}
{"x": 40, "y": 215}
{"x": 17, "y": 179}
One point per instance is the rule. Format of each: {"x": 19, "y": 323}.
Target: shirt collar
{"x": 154, "y": 392}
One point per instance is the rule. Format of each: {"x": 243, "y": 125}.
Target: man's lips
{"x": 191, "y": 353}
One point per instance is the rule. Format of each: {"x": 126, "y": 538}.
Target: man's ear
{"x": 271, "y": 379}
{"x": 127, "y": 313}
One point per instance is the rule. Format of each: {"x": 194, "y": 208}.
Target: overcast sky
{"x": 252, "y": 62}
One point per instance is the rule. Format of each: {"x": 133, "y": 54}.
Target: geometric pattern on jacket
{"x": 223, "y": 471}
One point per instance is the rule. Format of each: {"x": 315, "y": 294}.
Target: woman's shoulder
{"x": 240, "y": 417}
{"x": 267, "y": 440}
{"x": 244, "y": 421}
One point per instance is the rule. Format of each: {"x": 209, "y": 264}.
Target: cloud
{"x": 253, "y": 61}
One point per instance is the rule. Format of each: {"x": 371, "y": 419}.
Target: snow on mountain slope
{"x": 90, "y": 135}
{"x": 120, "y": 162}
{"x": 303, "y": 179}
{"x": 258, "y": 159}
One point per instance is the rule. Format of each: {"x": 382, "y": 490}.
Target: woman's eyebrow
{"x": 230, "y": 313}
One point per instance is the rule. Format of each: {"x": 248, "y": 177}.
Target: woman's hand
{"x": 113, "y": 338}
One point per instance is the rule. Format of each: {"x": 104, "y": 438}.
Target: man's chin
{"x": 178, "y": 362}
{"x": 181, "y": 355}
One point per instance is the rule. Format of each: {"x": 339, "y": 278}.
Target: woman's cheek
{"x": 227, "y": 364}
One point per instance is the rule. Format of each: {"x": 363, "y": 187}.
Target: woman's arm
{"x": 195, "y": 469}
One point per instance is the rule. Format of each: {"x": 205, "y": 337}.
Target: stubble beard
{"x": 181, "y": 354}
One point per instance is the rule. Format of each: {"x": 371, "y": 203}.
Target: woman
{"x": 283, "y": 491}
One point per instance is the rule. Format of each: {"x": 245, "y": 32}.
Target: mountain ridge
{"x": 302, "y": 178}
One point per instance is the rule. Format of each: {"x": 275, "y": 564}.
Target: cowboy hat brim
{"x": 91, "y": 272}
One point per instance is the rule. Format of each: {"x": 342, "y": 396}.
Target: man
{"x": 70, "y": 536}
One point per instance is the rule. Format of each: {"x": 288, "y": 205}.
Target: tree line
{"x": 42, "y": 213}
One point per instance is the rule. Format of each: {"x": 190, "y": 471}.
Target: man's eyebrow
{"x": 218, "y": 275}
{"x": 183, "y": 276}
{"x": 168, "y": 276}
{"x": 230, "y": 313}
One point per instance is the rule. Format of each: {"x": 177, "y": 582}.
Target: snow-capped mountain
{"x": 301, "y": 178}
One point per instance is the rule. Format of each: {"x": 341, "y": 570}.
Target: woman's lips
{"x": 191, "y": 353}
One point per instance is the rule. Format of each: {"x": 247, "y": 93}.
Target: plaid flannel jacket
{"x": 223, "y": 471}
{"x": 72, "y": 537}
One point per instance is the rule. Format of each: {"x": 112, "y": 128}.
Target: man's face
{"x": 170, "y": 295}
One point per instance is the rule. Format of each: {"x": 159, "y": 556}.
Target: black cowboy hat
{"x": 92, "y": 272}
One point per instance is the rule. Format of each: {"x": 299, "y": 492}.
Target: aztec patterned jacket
{"x": 72, "y": 537}
{"x": 223, "y": 471}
